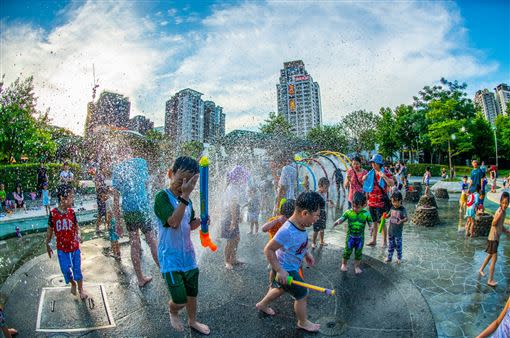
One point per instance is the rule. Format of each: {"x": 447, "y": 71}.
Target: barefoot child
{"x": 426, "y": 180}
{"x": 176, "y": 219}
{"x": 320, "y": 225}
{"x": 398, "y": 216}
{"x": 497, "y": 228}
{"x": 472, "y": 205}
{"x": 286, "y": 251}
{"x": 63, "y": 223}
{"x": 111, "y": 222}
{"x": 46, "y": 198}
{"x": 357, "y": 218}
{"x": 464, "y": 186}
{"x": 253, "y": 210}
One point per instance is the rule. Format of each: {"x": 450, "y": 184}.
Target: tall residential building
{"x": 502, "y": 97}
{"x": 111, "y": 109}
{"x": 140, "y": 124}
{"x": 299, "y": 99}
{"x": 487, "y": 102}
{"x": 214, "y": 122}
{"x": 184, "y": 116}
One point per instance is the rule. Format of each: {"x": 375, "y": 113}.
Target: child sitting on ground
{"x": 398, "y": 216}
{"x": 320, "y": 225}
{"x": 497, "y": 228}
{"x": 472, "y": 205}
{"x": 63, "y": 223}
{"x": 253, "y": 210}
{"x": 176, "y": 219}
{"x": 46, "y": 198}
{"x": 464, "y": 186}
{"x": 357, "y": 218}
{"x": 286, "y": 251}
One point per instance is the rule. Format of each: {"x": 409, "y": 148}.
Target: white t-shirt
{"x": 288, "y": 179}
{"x": 294, "y": 243}
{"x": 66, "y": 175}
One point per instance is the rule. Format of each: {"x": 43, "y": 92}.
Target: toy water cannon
{"x": 290, "y": 281}
{"x": 204, "y": 204}
{"x": 383, "y": 221}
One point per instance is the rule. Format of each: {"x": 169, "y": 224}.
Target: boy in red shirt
{"x": 63, "y": 223}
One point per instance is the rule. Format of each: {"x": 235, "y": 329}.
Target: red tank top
{"x": 65, "y": 227}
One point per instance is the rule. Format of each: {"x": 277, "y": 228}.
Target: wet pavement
{"x": 436, "y": 291}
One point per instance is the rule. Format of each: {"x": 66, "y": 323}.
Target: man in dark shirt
{"x": 42, "y": 177}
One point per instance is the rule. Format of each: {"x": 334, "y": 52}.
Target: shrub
{"x": 418, "y": 169}
{"x": 26, "y": 175}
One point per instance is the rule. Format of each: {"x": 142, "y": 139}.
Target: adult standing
{"x": 129, "y": 180}
{"x": 377, "y": 182}
{"x": 354, "y": 181}
{"x": 476, "y": 177}
{"x": 483, "y": 168}
{"x": 66, "y": 175}
{"x": 42, "y": 177}
{"x": 101, "y": 188}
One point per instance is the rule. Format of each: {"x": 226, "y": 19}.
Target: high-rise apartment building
{"x": 214, "y": 122}
{"x": 298, "y": 98}
{"x": 502, "y": 97}
{"x": 111, "y": 109}
{"x": 184, "y": 116}
{"x": 486, "y": 101}
{"x": 141, "y": 124}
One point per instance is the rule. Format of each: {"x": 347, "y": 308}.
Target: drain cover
{"x": 59, "y": 311}
{"x": 331, "y": 326}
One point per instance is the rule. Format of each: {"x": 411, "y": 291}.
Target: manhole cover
{"x": 59, "y": 311}
{"x": 331, "y": 326}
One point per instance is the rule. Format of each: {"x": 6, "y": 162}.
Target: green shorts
{"x": 138, "y": 220}
{"x": 182, "y": 285}
{"x": 298, "y": 292}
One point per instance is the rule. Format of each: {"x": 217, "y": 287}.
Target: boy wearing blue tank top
{"x": 178, "y": 265}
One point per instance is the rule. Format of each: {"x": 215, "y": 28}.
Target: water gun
{"x": 329, "y": 292}
{"x": 204, "y": 204}
{"x": 383, "y": 221}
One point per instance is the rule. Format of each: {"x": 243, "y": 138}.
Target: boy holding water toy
{"x": 63, "y": 223}
{"x": 176, "y": 254}
{"x": 357, "y": 218}
{"x": 286, "y": 251}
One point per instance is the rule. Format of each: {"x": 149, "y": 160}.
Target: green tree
{"x": 276, "y": 124}
{"x": 331, "y": 138}
{"x": 410, "y": 128}
{"x": 193, "y": 149}
{"x": 386, "y": 134}
{"x": 20, "y": 123}
{"x": 503, "y": 135}
{"x": 481, "y": 141}
{"x": 360, "y": 126}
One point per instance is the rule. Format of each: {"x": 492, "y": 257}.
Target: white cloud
{"x": 108, "y": 35}
{"x": 364, "y": 55}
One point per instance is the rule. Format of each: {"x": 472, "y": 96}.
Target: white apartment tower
{"x": 502, "y": 97}
{"x": 487, "y": 102}
{"x": 298, "y": 98}
{"x": 184, "y": 116}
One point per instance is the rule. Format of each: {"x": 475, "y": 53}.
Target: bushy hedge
{"x": 418, "y": 169}
{"x": 26, "y": 175}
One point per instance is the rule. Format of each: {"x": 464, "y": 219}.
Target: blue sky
{"x": 364, "y": 54}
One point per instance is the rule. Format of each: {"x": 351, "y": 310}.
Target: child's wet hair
{"x": 397, "y": 196}
{"x": 185, "y": 163}
{"x": 504, "y": 195}
{"x": 309, "y": 201}
{"x": 359, "y": 199}
{"x": 287, "y": 208}
{"x": 323, "y": 181}
{"x": 427, "y": 168}
{"x": 64, "y": 190}
{"x": 465, "y": 177}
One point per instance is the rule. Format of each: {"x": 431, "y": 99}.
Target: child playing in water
{"x": 176, "y": 219}
{"x": 497, "y": 228}
{"x": 253, "y": 210}
{"x": 320, "y": 225}
{"x": 357, "y": 218}
{"x": 111, "y": 221}
{"x": 501, "y": 326}
{"x": 464, "y": 186}
{"x": 398, "y": 216}
{"x": 63, "y": 223}
{"x": 306, "y": 184}
{"x": 286, "y": 252}
{"x": 472, "y": 205}
{"x": 46, "y": 198}
{"x": 426, "y": 180}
